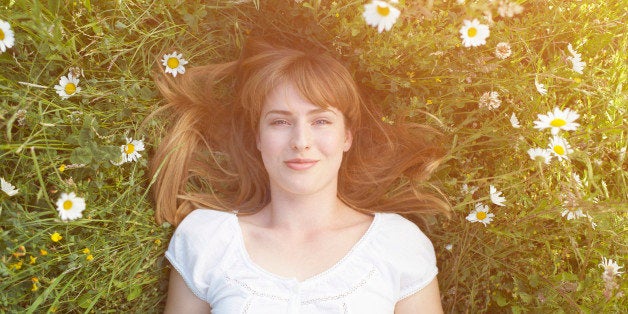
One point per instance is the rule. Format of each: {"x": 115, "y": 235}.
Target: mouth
{"x": 300, "y": 164}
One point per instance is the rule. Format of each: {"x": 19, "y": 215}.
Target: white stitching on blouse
{"x": 255, "y": 292}
{"x": 246, "y": 306}
{"x": 343, "y": 294}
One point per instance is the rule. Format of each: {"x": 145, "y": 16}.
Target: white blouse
{"x": 391, "y": 261}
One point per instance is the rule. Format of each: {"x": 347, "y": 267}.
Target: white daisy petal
{"x": 514, "y": 121}
{"x": 577, "y": 65}
{"x": 611, "y": 268}
{"x": 70, "y": 206}
{"x": 174, "y": 63}
{"x": 7, "y": 38}
{"x": 130, "y": 151}
{"x": 8, "y": 187}
{"x": 473, "y": 33}
{"x": 490, "y": 101}
{"x": 68, "y": 86}
{"x": 380, "y": 14}
{"x": 502, "y": 50}
{"x": 480, "y": 214}
{"x": 557, "y": 120}
{"x": 540, "y": 87}
{"x": 496, "y": 197}
{"x": 560, "y": 148}
{"x": 541, "y": 154}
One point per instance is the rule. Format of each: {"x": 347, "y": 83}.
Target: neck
{"x": 304, "y": 212}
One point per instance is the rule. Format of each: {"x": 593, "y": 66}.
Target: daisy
{"x": 502, "y": 50}
{"x": 7, "y": 39}
{"x": 490, "y": 101}
{"x": 496, "y": 196}
{"x": 572, "y": 213}
{"x": 576, "y": 60}
{"x": 514, "y": 121}
{"x": 540, "y": 154}
{"x": 174, "y": 63}
{"x": 70, "y": 206}
{"x": 560, "y": 148}
{"x": 8, "y": 187}
{"x": 473, "y": 33}
{"x": 611, "y": 268}
{"x": 540, "y": 87}
{"x": 480, "y": 214}
{"x": 381, "y": 15}
{"x": 558, "y": 120}
{"x": 68, "y": 86}
{"x": 130, "y": 151}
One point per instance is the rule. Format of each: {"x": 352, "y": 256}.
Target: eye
{"x": 279, "y": 122}
{"x": 322, "y": 122}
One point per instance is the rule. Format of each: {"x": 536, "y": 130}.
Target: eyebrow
{"x": 289, "y": 113}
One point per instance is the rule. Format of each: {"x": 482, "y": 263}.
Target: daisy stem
{"x": 544, "y": 182}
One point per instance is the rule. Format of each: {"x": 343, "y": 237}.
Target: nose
{"x": 301, "y": 137}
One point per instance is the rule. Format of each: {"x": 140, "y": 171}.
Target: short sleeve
{"x": 198, "y": 246}
{"x": 410, "y": 254}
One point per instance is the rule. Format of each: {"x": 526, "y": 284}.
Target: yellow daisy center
{"x": 173, "y": 62}
{"x": 472, "y": 31}
{"x": 70, "y": 88}
{"x": 67, "y": 205}
{"x": 481, "y": 215}
{"x": 558, "y": 122}
{"x": 383, "y": 10}
{"x": 1, "y": 35}
{"x": 559, "y": 149}
{"x": 129, "y": 148}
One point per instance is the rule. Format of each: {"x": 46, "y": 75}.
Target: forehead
{"x": 285, "y": 98}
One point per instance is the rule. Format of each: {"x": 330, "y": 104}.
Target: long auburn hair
{"x": 208, "y": 158}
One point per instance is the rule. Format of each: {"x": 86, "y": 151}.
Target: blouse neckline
{"x": 292, "y": 280}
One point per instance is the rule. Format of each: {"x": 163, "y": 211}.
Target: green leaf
{"x": 85, "y": 300}
{"x": 500, "y": 299}
{"x": 81, "y": 155}
{"x": 135, "y": 292}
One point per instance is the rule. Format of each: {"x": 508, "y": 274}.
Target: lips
{"x": 300, "y": 163}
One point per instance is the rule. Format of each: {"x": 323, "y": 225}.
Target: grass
{"x": 528, "y": 259}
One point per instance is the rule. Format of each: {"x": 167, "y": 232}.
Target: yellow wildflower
{"x": 56, "y": 237}
{"x": 43, "y": 252}
{"x": 16, "y": 266}
{"x": 62, "y": 168}
{"x": 86, "y": 251}
{"x": 33, "y": 260}
{"x": 89, "y": 257}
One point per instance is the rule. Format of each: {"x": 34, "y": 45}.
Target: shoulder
{"x": 202, "y": 222}
{"x": 397, "y": 232}
{"x": 198, "y": 248}
{"x": 406, "y": 253}
{"x": 200, "y": 229}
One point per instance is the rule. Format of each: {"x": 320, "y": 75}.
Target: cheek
{"x": 333, "y": 144}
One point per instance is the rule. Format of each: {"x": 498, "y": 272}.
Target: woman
{"x": 286, "y": 196}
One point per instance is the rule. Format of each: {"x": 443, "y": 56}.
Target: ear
{"x": 348, "y": 140}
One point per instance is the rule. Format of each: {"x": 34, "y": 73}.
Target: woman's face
{"x": 301, "y": 144}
